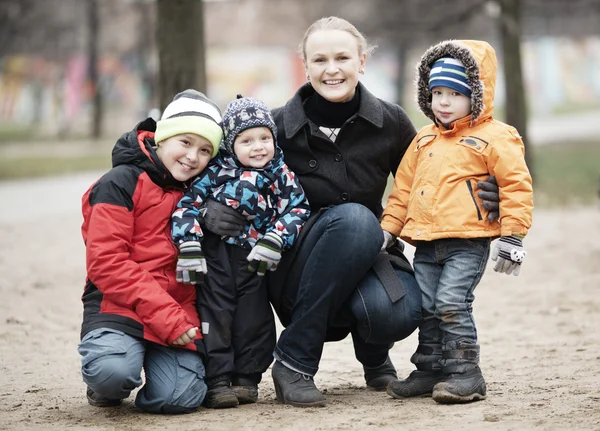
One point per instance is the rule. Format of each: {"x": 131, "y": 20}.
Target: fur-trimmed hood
{"x": 479, "y": 59}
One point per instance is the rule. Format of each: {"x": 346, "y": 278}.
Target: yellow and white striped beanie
{"x": 191, "y": 112}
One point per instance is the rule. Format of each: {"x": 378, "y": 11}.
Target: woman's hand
{"x": 185, "y": 338}
{"x": 490, "y": 196}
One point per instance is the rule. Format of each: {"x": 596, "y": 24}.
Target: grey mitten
{"x": 490, "y": 196}
{"x": 191, "y": 264}
{"x": 266, "y": 254}
{"x": 221, "y": 219}
{"x": 388, "y": 240}
{"x": 508, "y": 254}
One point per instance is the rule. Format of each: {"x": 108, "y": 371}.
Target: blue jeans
{"x": 112, "y": 363}
{"x": 331, "y": 292}
{"x": 447, "y": 271}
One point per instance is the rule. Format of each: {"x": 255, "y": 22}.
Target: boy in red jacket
{"x": 136, "y": 315}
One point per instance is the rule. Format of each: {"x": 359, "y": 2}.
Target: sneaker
{"x": 378, "y": 378}
{"x": 220, "y": 396}
{"x": 99, "y": 401}
{"x": 461, "y": 388}
{"x": 294, "y": 388}
{"x": 417, "y": 384}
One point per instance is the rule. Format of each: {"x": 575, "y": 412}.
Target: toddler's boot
{"x": 421, "y": 381}
{"x": 219, "y": 394}
{"x": 245, "y": 387}
{"x": 463, "y": 381}
{"x": 378, "y": 378}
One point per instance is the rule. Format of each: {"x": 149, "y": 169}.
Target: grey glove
{"x": 191, "y": 264}
{"x": 508, "y": 254}
{"x": 266, "y": 254}
{"x": 389, "y": 239}
{"x": 490, "y": 196}
{"x": 221, "y": 219}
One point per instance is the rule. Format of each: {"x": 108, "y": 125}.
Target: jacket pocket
{"x": 473, "y": 143}
{"x": 424, "y": 141}
{"x": 472, "y": 193}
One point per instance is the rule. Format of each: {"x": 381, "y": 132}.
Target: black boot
{"x": 428, "y": 373}
{"x": 245, "y": 388}
{"x": 219, "y": 394}
{"x": 461, "y": 387}
{"x": 417, "y": 384}
{"x": 464, "y": 382}
{"x": 97, "y": 400}
{"x": 294, "y": 388}
{"x": 378, "y": 378}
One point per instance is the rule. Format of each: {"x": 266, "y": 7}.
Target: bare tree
{"x": 93, "y": 31}
{"x": 181, "y": 51}
{"x": 516, "y": 107}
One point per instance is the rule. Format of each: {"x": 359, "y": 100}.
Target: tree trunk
{"x": 96, "y": 95}
{"x": 516, "y": 107}
{"x": 180, "y": 41}
{"x": 402, "y": 75}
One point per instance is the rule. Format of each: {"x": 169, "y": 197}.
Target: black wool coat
{"x": 354, "y": 168}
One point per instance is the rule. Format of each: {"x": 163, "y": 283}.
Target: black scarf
{"x": 322, "y": 112}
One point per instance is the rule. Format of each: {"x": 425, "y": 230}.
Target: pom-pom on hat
{"x": 449, "y": 72}
{"x": 245, "y": 113}
{"x": 191, "y": 112}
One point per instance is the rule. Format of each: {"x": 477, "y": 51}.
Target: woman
{"x": 342, "y": 142}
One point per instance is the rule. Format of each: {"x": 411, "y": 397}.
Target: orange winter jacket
{"x": 435, "y": 188}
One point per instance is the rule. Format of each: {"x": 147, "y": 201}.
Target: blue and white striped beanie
{"x": 191, "y": 112}
{"x": 449, "y": 72}
{"x": 245, "y": 113}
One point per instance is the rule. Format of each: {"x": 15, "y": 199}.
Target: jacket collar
{"x": 294, "y": 117}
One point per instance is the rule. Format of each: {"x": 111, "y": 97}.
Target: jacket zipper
{"x": 474, "y": 201}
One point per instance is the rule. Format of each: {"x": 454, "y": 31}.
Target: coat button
{"x": 312, "y": 163}
{"x": 418, "y": 233}
{"x": 338, "y": 157}
{"x": 344, "y": 196}
{"x": 430, "y": 154}
{"x": 422, "y": 192}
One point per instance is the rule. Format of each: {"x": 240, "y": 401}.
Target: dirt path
{"x": 539, "y": 336}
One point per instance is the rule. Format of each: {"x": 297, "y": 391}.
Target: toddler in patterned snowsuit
{"x": 249, "y": 175}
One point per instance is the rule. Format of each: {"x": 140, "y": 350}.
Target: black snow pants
{"x": 237, "y": 320}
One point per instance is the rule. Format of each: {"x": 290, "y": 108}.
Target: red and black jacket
{"x": 130, "y": 257}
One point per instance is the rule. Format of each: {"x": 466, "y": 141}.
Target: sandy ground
{"x": 539, "y": 337}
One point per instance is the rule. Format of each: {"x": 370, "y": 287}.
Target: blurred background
{"x": 76, "y": 74}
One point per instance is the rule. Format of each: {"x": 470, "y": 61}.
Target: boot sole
{"x": 245, "y": 396}
{"x": 445, "y": 397}
{"x": 222, "y": 402}
{"x": 407, "y": 394}
{"x": 282, "y": 400}
{"x": 108, "y": 403}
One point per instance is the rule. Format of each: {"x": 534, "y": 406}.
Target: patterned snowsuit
{"x": 237, "y": 320}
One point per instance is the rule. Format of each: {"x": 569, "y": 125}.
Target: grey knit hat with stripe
{"x": 191, "y": 112}
{"x": 449, "y": 72}
{"x": 245, "y": 113}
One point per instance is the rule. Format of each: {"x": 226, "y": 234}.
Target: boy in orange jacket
{"x": 434, "y": 207}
